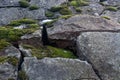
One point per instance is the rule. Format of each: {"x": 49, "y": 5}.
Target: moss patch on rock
{"x": 49, "y": 51}
{"x": 22, "y": 21}
{"x": 33, "y": 7}
{"x": 79, "y": 3}
{"x": 65, "y": 11}
{"x": 10, "y": 59}
{"x": 111, "y": 8}
{"x": 3, "y": 44}
{"x": 24, "y": 3}
{"x": 22, "y": 75}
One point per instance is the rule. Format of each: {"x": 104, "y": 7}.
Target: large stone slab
{"x": 70, "y": 28}
{"x": 47, "y": 4}
{"x": 9, "y": 62}
{"x": 102, "y": 49}
{"x": 57, "y": 69}
{"x": 9, "y": 3}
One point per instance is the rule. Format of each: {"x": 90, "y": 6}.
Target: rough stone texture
{"x": 113, "y": 2}
{"x": 70, "y": 28}
{"x": 7, "y": 3}
{"x": 57, "y": 69}
{"x": 26, "y": 52}
{"x": 47, "y": 3}
{"x": 13, "y": 13}
{"x": 7, "y": 70}
{"x": 114, "y": 16}
{"x": 8, "y": 14}
{"x": 93, "y": 9}
{"x": 32, "y": 39}
{"x": 102, "y": 49}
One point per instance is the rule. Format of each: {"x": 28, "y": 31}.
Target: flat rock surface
{"x": 57, "y": 69}
{"x": 7, "y": 69}
{"x": 68, "y": 29}
{"x": 102, "y": 49}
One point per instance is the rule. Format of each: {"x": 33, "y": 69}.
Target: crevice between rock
{"x": 84, "y": 58}
{"x": 15, "y": 44}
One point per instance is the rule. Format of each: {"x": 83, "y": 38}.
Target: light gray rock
{"x": 114, "y": 16}
{"x": 47, "y": 4}
{"x": 114, "y": 2}
{"x": 8, "y": 3}
{"x": 92, "y": 9}
{"x": 57, "y": 69}
{"x": 9, "y": 14}
{"x": 102, "y": 49}
{"x": 14, "y": 13}
{"x": 26, "y": 52}
{"x": 9, "y": 69}
{"x": 70, "y": 28}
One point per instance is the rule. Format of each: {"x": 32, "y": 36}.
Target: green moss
{"x": 3, "y": 44}
{"x": 111, "y": 8}
{"x": 13, "y": 60}
{"x": 49, "y": 51}
{"x": 14, "y": 23}
{"x": 57, "y": 52}
{"x": 33, "y": 7}
{"x": 26, "y": 21}
{"x": 56, "y": 8}
{"x": 21, "y": 21}
{"x": 22, "y": 75}
{"x": 79, "y": 3}
{"x": 3, "y": 59}
{"x": 74, "y": 3}
{"x": 24, "y": 3}
{"x": 33, "y": 25}
{"x": 65, "y": 16}
{"x": 106, "y": 17}
{"x": 65, "y": 11}
{"x": 83, "y": 3}
{"x": 78, "y": 9}
{"x": 49, "y": 14}
{"x": 11, "y": 34}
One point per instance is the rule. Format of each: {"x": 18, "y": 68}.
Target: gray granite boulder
{"x": 9, "y": 3}
{"x": 12, "y": 12}
{"x": 102, "y": 49}
{"x": 57, "y": 69}
{"x": 9, "y": 14}
{"x": 10, "y": 58}
{"x": 70, "y": 28}
{"x": 46, "y": 4}
{"x": 93, "y": 9}
{"x": 114, "y": 16}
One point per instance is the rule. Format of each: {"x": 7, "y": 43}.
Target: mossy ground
{"x": 9, "y": 33}
{"x": 11, "y": 59}
{"x": 22, "y": 75}
{"x": 49, "y": 51}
